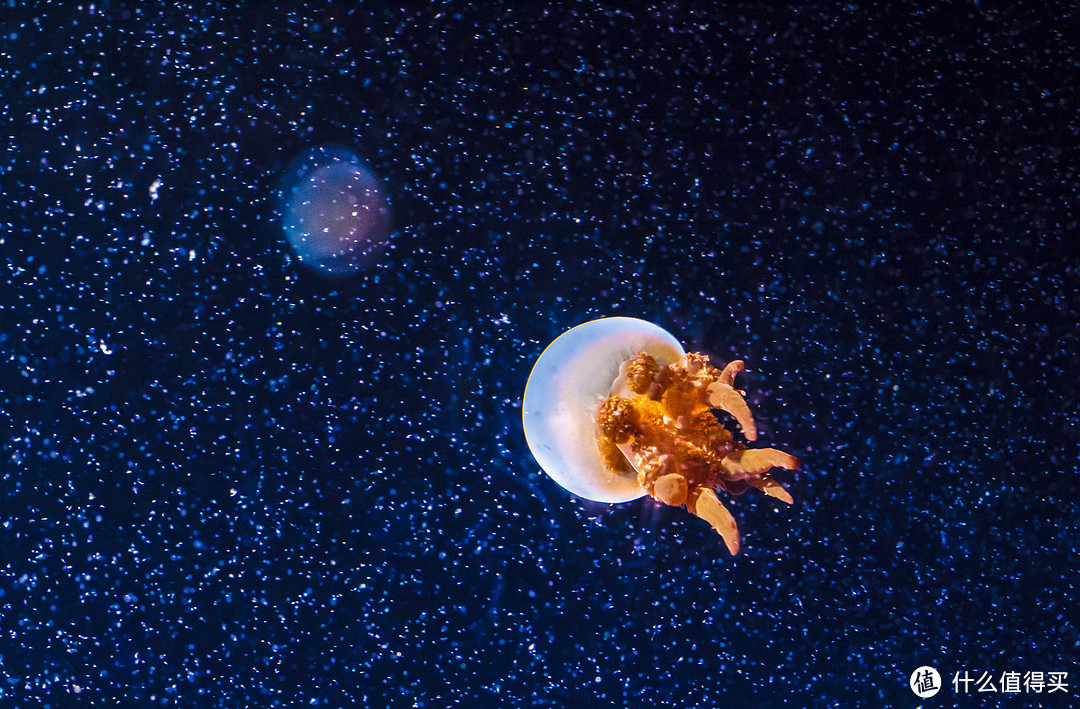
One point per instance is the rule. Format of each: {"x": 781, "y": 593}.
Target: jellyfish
{"x": 614, "y": 409}
{"x": 334, "y": 213}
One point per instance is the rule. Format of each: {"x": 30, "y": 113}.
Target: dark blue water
{"x": 230, "y": 481}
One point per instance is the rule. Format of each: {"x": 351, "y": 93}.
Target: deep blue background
{"x": 228, "y": 481}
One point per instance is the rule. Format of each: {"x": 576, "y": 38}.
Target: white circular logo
{"x": 925, "y": 682}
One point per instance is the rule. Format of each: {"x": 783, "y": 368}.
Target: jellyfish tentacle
{"x": 766, "y": 484}
{"x": 671, "y": 489}
{"x": 752, "y": 462}
{"x": 724, "y": 397}
{"x": 703, "y": 502}
{"x": 727, "y": 376}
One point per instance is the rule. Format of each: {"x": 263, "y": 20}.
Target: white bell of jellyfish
{"x": 615, "y": 409}
{"x": 568, "y": 383}
{"x": 333, "y": 211}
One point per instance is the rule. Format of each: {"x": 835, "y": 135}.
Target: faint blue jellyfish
{"x": 615, "y": 409}
{"x": 334, "y": 213}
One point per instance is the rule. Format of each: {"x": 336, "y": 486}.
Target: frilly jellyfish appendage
{"x": 615, "y": 409}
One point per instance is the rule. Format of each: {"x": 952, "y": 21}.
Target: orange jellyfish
{"x": 614, "y": 409}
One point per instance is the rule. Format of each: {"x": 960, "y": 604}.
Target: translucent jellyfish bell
{"x": 567, "y": 384}
{"x": 615, "y": 409}
{"x": 333, "y": 210}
